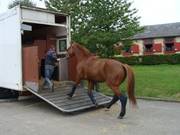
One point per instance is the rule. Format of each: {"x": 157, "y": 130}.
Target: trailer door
{"x": 31, "y": 66}
{"x": 10, "y": 50}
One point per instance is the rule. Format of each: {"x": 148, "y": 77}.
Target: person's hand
{"x": 56, "y": 64}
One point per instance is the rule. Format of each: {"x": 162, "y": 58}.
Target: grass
{"x": 159, "y": 81}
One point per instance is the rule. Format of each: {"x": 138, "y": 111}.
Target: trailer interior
{"x": 35, "y": 44}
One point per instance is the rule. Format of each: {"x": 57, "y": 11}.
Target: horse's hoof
{"x": 69, "y": 96}
{"x": 120, "y": 117}
{"x": 107, "y": 106}
{"x": 106, "y": 109}
{"x": 96, "y": 105}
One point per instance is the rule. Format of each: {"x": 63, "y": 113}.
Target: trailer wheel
{"x": 8, "y": 94}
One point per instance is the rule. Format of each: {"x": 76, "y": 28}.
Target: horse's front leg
{"x": 90, "y": 93}
{"x": 71, "y": 93}
{"x": 96, "y": 86}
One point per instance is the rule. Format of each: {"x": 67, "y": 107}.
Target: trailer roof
{"x": 44, "y": 10}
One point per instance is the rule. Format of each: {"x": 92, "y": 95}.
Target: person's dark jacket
{"x": 51, "y": 58}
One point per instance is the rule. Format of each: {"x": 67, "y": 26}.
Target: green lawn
{"x": 161, "y": 81}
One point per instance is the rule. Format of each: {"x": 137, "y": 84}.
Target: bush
{"x": 129, "y": 60}
{"x": 150, "y": 59}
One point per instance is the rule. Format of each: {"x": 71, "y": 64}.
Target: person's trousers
{"x": 49, "y": 69}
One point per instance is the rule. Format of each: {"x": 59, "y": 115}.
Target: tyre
{"x": 8, "y": 94}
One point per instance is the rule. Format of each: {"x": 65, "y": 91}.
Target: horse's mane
{"x": 83, "y": 49}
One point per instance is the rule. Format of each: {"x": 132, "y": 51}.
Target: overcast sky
{"x": 151, "y": 11}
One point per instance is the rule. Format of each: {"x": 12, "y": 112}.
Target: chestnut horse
{"x": 95, "y": 69}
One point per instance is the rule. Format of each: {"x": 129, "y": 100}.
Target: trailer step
{"x": 80, "y": 100}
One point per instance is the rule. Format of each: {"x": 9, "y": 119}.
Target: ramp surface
{"x": 79, "y": 101}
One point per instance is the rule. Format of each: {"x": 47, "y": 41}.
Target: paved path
{"x": 34, "y": 117}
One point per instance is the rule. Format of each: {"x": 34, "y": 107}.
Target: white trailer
{"x": 15, "y": 25}
{"x": 25, "y": 36}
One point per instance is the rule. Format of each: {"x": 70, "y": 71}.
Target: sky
{"x": 151, "y": 11}
{"x": 157, "y": 11}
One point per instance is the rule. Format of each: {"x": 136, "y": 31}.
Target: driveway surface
{"x": 35, "y": 117}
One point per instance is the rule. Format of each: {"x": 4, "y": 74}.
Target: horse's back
{"x": 94, "y": 68}
{"x": 102, "y": 64}
{"x": 100, "y": 69}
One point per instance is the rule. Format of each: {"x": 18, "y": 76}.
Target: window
{"x": 60, "y": 19}
{"x": 61, "y": 45}
{"x": 128, "y": 50}
{"x": 169, "y": 44}
{"x": 148, "y": 45}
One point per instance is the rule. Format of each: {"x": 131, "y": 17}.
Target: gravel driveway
{"x": 35, "y": 117}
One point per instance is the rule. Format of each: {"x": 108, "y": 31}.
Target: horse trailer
{"x": 25, "y": 36}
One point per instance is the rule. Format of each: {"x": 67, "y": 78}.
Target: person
{"x": 50, "y": 63}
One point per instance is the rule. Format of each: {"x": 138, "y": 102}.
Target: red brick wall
{"x": 177, "y": 47}
{"x": 135, "y": 48}
{"x": 157, "y": 47}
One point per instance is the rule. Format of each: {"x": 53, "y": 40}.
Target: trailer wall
{"x": 10, "y": 50}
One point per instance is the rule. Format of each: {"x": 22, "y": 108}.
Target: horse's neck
{"x": 81, "y": 57}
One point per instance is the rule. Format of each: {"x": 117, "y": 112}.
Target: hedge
{"x": 150, "y": 59}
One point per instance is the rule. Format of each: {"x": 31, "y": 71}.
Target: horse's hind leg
{"x": 90, "y": 93}
{"x": 113, "y": 101}
{"x": 123, "y": 101}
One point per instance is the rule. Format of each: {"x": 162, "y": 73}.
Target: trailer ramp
{"x": 80, "y": 100}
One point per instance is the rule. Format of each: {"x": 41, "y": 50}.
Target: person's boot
{"x": 52, "y": 87}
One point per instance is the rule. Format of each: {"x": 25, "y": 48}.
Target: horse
{"x": 112, "y": 72}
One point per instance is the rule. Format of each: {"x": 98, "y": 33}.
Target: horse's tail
{"x": 130, "y": 84}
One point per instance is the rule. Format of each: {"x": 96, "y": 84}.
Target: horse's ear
{"x": 72, "y": 42}
{"x": 71, "y": 45}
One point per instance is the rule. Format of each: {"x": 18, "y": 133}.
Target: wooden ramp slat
{"x": 79, "y": 101}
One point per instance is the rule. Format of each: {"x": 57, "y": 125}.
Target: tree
{"x": 99, "y": 24}
{"x": 27, "y": 3}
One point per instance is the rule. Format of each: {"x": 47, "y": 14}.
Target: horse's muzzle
{"x": 67, "y": 56}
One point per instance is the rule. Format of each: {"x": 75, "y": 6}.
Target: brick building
{"x": 156, "y": 39}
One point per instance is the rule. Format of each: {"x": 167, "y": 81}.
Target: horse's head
{"x": 71, "y": 50}
{"x": 78, "y": 50}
